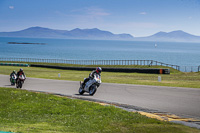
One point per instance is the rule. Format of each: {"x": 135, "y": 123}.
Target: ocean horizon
{"x": 175, "y": 53}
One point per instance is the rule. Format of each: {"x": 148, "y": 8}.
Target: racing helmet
{"x": 21, "y": 70}
{"x": 98, "y": 69}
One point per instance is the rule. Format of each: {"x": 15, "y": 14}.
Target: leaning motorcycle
{"x": 20, "y": 81}
{"x": 91, "y": 86}
{"x": 13, "y": 79}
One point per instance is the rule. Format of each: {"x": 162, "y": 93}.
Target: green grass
{"x": 175, "y": 79}
{"x": 24, "y": 111}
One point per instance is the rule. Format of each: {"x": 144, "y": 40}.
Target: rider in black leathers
{"x": 20, "y": 72}
{"x": 91, "y": 75}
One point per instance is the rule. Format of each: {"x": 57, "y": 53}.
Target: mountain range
{"x": 174, "y": 36}
{"x": 40, "y": 32}
{"x": 97, "y": 34}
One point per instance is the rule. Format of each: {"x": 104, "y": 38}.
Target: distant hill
{"x": 40, "y": 32}
{"x": 174, "y": 36}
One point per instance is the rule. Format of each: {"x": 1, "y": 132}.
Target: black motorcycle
{"x": 20, "y": 81}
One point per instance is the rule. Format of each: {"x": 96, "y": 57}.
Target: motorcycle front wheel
{"x": 92, "y": 90}
{"x": 12, "y": 81}
{"x": 81, "y": 91}
{"x": 17, "y": 85}
{"x": 20, "y": 85}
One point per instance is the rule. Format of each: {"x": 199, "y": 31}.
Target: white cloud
{"x": 11, "y": 7}
{"x": 143, "y": 13}
{"x": 61, "y": 14}
{"x": 190, "y": 17}
{"x": 94, "y": 11}
{"x": 90, "y": 12}
{"x": 86, "y": 14}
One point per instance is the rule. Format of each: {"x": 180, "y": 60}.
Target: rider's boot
{"x": 82, "y": 84}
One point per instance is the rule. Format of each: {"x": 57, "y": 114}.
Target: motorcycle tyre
{"x": 81, "y": 91}
{"x": 17, "y": 86}
{"x": 92, "y": 90}
{"x": 20, "y": 85}
{"x": 17, "y": 83}
{"x": 12, "y": 82}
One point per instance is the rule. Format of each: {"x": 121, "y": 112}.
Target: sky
{"x": 136, "y": 17}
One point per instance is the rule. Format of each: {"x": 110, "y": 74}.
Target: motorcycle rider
{"x": 13, "y": 73}
{"x": 20, "y": 72}
{"x": 91, "y": 75}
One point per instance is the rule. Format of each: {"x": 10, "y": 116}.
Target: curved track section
{"x": 183, "y": 102}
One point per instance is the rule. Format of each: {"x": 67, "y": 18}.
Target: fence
{"x": 105, "y": 62}
{"x": 190, "y": 68}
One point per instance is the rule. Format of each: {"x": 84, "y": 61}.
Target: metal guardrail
{"x": 106, "y": 62}
{"x": 190, "y": 68}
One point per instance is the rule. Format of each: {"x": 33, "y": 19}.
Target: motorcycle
{"x": 20, "y": 81}
{"x": 13, "y": 79}
{"x": 91, "y": 86}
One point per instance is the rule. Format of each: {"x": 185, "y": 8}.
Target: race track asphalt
{"x": 179, "y": 101}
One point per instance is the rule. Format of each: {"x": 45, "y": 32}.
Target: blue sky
{"x": 136, "y": 17}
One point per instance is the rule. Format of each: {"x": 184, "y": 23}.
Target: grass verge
{"x": 24, "y": 111}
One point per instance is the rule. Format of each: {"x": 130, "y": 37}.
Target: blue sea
{"x": 182, "y": 54}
